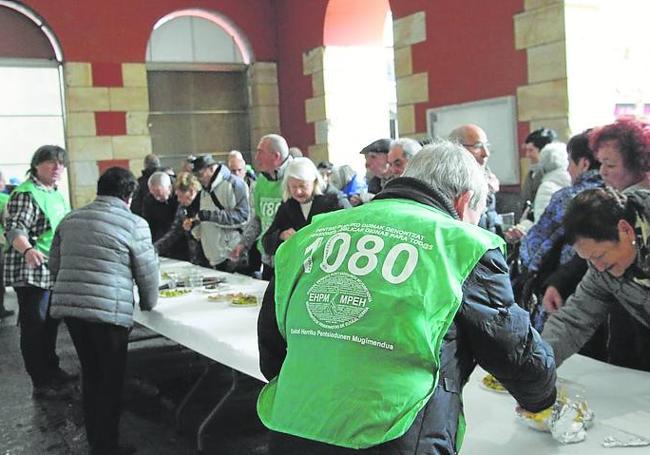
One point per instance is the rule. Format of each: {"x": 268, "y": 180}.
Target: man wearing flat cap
{"x": 223, "y": 211}
{"x": 376, "y": 154}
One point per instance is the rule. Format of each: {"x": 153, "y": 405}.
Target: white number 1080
{"x": 364, "y": 258}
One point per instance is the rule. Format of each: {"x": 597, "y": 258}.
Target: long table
{"x": 214, "y": 329}
{"x": 620, "y": 397}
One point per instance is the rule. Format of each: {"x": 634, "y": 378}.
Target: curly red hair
{"x": 633, "y": 137}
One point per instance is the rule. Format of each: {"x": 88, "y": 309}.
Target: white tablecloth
{"x": 620, "y": 397}
{"x": 214, "y": 329}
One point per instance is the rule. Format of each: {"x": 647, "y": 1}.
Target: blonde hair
{"x": 186, "y": 181}
{"x": 301, "y": 169}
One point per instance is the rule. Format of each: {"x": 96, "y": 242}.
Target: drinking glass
{"x": 507, "y": 220}
{"x": 194, "y": 279}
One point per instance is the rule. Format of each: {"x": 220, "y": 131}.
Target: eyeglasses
{"x": 478, "y": 145}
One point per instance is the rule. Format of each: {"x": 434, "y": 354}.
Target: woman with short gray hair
{"x": 302, "y": 193}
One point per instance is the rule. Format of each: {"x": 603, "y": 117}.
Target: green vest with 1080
{"x": 364, "y": 306}
{"x": 52, "y": 204}
{"x": 268, "y": 197}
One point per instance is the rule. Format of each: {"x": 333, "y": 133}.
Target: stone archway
{"x": 342, "y": 28}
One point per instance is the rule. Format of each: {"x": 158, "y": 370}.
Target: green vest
{"x": 268, "y": 197}
{"x": 364, "y": 306}
{"x": 4, "y": 198}
{"x": 52, "y": 204}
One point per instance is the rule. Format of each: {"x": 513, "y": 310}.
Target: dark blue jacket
{"x": 548, "y": 231}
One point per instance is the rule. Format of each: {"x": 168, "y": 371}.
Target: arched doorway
{"x": 32, "y": 108}
{"x": 198, "y": 93}
{"x": 359, "y": 77}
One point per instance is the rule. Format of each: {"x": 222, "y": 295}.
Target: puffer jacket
{"x": 489, "y": 329}
{"x": 97, "y": 253}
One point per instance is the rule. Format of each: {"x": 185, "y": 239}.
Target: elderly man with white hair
{"x": 400, "y": 153}
{"x": 396, "y": 302}
{"x": 271, "y": 160}
{"x": 160, "y": 204}
{"x": 474, "y": 139}
{"x": 237, "y": 165}
{"x": 151, "y": 164}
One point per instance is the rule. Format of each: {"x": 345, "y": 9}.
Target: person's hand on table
{"x": 188, "y": 223}
{"x": 568, "y": 419}
{"x": 514, "y": 234}
{"x": 539, "y": 421}
{"x": 284, "y": 235}
{"x": 552, "y": 300}
{"x": 34, "y": 258}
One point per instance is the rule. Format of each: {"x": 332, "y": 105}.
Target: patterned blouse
{"x": 543, "y": 235}
{"x": 25, "y": 218}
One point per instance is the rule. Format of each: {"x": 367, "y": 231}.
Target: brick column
{"x": 264, "y": 104}
{"x": 544, "y": 101}
{"x": 412, "y": 88}
{"x": 559, "y": 35}
{"x": 106, "y": 121}
{"x": 313, "y": 63}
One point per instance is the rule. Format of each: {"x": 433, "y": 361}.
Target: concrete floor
{"x": 159, "y": 373}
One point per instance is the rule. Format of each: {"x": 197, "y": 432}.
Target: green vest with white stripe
{"x": 267, "y": 195}
{"x": 364, "y": 298}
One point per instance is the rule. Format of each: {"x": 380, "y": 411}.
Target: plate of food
{"x": 238, "y": 299}
{"x": 491, "y": 383}
{"x": 170, "y": 293}
{"x": 242, "y": 300}
{"x": 212, "y": 287}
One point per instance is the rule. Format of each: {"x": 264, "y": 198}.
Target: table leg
{"x": 188, "y": 395}
{"x": 215, "y": 410}
{"x": 144, "y": 338}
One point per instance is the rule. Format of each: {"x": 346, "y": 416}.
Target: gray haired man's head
{"x": 160, "y": 185}
{"x": 448, "y": 168}
{"x": 400, "y": 153}
{"x": 272, "y": 151}
{"x": 475, "y": 141}
{"x": 151, "y": 161}
{"x": 278, "y": 144}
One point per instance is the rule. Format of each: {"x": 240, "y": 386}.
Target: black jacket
{"x": 141, "y": 191}
{"x": 177, "y": 243}
{"x": 289, "y": 215}
{"x": 489, "y": 329}
{"x": 159, "y": 215}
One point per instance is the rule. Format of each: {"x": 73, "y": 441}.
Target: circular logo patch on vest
{"x": 337, "y": 300}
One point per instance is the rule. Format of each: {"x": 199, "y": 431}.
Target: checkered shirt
{"x": 24, "y": 217}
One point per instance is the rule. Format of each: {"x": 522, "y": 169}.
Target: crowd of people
{"x": 420, "y": 231}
